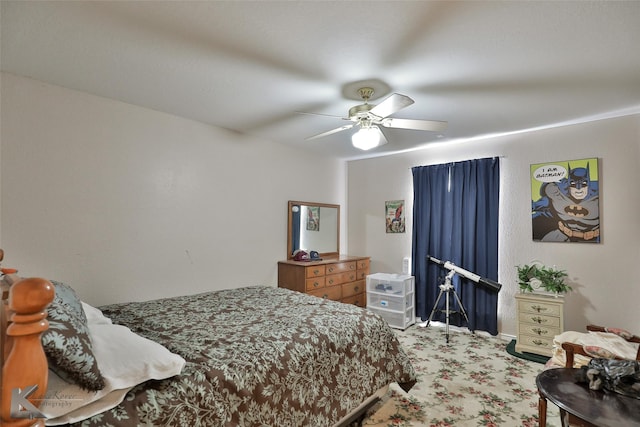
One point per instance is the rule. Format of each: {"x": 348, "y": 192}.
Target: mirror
{"x": 313, "y": 227}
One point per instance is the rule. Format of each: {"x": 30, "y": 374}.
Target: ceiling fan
{"x": 368, "y": 117}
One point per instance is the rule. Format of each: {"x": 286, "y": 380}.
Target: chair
{"x": 572, "y": 349}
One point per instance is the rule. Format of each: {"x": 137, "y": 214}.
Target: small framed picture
{"x": 394, "y": 216}
{"x": 313, "y": 218}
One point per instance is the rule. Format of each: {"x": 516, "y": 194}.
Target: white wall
{"x": 126, "y": 203}
{"x": 607, "y": 287}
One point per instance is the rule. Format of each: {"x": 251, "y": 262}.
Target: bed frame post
{"x": 24, "y": 360}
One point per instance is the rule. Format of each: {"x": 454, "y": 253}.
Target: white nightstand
{"x": 540, "y": 318}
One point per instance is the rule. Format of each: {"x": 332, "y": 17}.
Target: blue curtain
{"x": 455, "y": 218}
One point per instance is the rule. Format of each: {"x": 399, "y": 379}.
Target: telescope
{"x": 491, "y": 284}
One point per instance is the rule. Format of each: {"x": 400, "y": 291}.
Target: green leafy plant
{"x": 549, "y": 278}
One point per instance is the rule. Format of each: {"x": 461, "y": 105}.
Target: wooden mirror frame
{"x": 291, "y": 204}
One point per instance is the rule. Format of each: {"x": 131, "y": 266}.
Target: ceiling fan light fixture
{"x": 366, "y": 138}
{"x": 369, "y": 117}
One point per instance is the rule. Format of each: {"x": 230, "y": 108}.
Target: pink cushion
{"x": 620, "y": 332}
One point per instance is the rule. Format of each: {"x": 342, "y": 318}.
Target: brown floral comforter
{"x": 258, "y": 356}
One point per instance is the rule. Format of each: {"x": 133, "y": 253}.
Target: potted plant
{"x": 537, "y": 276}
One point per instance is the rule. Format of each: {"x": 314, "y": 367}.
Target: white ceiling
{"x": 485, "y": 67}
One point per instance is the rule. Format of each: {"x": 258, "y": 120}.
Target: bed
{"x": 255, "y": 356}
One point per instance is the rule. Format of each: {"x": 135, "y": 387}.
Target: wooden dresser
{"x": 339, "y": 279}
{"x": 540, "y": 318}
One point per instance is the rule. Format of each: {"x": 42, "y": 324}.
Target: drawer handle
{"x": 351, "y": 267}
{"x": 352, "y": 277}
{"x": 539, "y": 319}
{"x": 539, "y": 308}
{"x": 316, "y": 272}
{"x": 330, "y": 269}
{"x": 316, "y": 284}
{"x": 356, "y": 288}
{"x": 538, "y": 342}
{"x": 540, "y": 331}
{"x": 331, "y": 281}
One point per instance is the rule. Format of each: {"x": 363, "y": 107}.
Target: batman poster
{"x": 565, "y": 200}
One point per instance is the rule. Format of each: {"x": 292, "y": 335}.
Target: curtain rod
{"x": 499, "y": 157}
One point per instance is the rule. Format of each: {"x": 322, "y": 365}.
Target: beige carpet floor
{"x": 470, "y": 381}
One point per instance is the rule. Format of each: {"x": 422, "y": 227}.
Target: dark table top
{"x": 600, "y": 407}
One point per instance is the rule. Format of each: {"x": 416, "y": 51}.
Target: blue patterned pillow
{"x": 67, "y": 343}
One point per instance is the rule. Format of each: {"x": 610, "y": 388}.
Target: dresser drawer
{"x": 338, "y": 279}
{"x": 548, "y": 309}
{"x": 314, "y": 283}
{"x": 539, "y": 330}
{"x": 353, "y": 288}
{"x": 315, "y": 271}
{"x": 333, "y": 293}
{"x": 362, "y": 274}
{"x": 536, "y": 342}
{"x": 536, "y": 319}
{"x": 340, "y": 267}
{"x": 363, "y": 264}
{"x": 358, "y": 300}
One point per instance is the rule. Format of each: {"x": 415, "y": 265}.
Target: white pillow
{"x": 94, "y": 315}
{"x": 125, "y": 359}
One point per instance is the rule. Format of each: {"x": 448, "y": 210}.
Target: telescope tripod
{"x": 448, "y": 289}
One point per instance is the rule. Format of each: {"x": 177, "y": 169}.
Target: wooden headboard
{"x": 24, "y": 365}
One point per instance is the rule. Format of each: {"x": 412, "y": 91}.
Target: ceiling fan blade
{"x": 429, "y": 125}
{"x": 383, "y": 138}
{"x": 393, "y": 103}
{"x": 332, "y": 131}
{"x": 323, "y": 115}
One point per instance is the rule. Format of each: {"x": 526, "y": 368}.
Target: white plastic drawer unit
{"x": 392, "y": 297}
